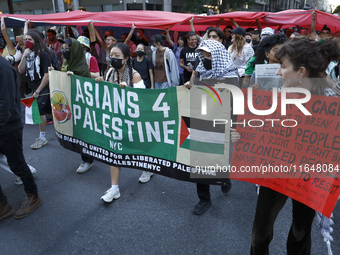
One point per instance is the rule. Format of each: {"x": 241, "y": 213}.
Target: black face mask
{"x": 140, "y": 53}
{"x": 116, "y": 63}
{"x": 207, "y": 63}
{"x": 66, "y": 54}
{"x": 248, "y": 40}
{"x": 255, "y": 42}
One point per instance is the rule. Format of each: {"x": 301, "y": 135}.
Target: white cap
{"x": 205, "y": 48}
{"x": 267, "y": 31}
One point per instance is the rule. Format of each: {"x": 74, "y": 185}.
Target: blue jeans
{"x": 161, "y": 85}
{"x": 11, "y": 147}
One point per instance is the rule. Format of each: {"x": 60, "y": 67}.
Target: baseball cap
{"x": 238, "y": 31}
{"x": 67, "y": 40}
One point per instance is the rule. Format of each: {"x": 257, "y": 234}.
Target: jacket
{"x": 171, "y": 67}
{"x": 10, "y": 118}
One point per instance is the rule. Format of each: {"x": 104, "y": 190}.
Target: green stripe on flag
{"x": 213, "y": 148}
{"x": 32, "y": 114}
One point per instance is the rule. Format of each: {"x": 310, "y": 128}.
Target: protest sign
{"x": 152, "y": 130}
{"x": 266, "y": 77}
{"x": 295, "y": 154}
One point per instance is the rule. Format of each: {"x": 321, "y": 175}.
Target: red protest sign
{"x": 295, "y": 154}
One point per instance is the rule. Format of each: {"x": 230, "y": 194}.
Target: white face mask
{"x": 153, "y": 48}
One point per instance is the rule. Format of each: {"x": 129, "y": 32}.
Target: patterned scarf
{"x": 222, "y": 64}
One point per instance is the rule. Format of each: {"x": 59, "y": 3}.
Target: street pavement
{"x": 151, "y": 218}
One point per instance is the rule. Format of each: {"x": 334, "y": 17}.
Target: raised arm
{"x": 219, "y": 23}
{"x": 99, "y": 39}
{"x": 259, "y": 27}
{"x": 168, "y": 38}
{"x": 128, "y": 38}
{"x": 234, "y": 22}
{"x": 26, "y": 26}
{"x": 9, "y": 44}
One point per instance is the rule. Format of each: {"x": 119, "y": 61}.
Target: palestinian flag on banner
{"x": 32, "y": 114}
{"x": 201, "y": 135}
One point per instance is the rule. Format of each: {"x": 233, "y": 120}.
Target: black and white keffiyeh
{"x": 31, "y": 62}
{"x": 222, "y": 64}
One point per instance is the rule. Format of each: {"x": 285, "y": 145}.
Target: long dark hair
{"x": 158, "y": 39}
{"x": 126, "y": 52}
{"x": 39, "y": 45}
{"x": 266, "y": 45}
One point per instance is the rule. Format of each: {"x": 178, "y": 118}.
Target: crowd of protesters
{"x": 160, "y": 62}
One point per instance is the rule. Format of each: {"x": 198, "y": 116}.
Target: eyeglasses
{"x": 212, "y": 36}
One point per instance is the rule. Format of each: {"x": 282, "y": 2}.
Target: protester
{"x": 265, "y": 54}
{"x": 188, "y": 56}
{"x": 325, "y": 32}
{"x": 90, "y": 60}
{"x": 240, "y": 51}
{"x": 303, "y": 63}
{"x": 6, "y": 45}
{"x": 255, "y": 39}
{"x": 214, "y": 63}
{"x": 248, "y": 37}
{"x": 141, "y": 37}
{"x": 216, "y": 34}
{"x": 227, "y": 35}
{"x": 11, "y": 142}
{"x": 164, "y": 61}
{"x": 54, "y": 44}
{"x": 177, "y": 48}
{"x": 35, "y": 62}
{"x": 122, "y": 73}
{"x": 143, "y": 66}
{"x": 75, "y": 63}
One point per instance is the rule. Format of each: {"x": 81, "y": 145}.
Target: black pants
{"x": 203, "y": 191}
{"x": 87, "y": 159}
{"x": 269, "y": 204}
{"x": 11, "y": 147}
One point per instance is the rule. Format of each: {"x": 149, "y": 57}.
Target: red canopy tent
{"x": 178, "y": 21}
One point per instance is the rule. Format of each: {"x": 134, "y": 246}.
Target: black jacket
{"x": 10, "y": 108}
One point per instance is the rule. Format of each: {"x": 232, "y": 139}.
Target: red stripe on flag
{"x": 184, "y": 132}
{"x": 27, "y": 101}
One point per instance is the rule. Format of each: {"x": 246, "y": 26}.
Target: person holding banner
{"x": 122, "y": 73}
{"x": 11, "y": 142}
{"x": 75, "y": 63}
{"x": 303, "y": 62}
{"x": 214, "y": 63}
{"x": 35, "y": 62}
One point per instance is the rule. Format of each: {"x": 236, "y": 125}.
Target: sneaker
{"x": 38, "y": 143}
{"x": 145, "y": 177}
{"x": 226, "y": 186}
{"x": 84, "y": 167}
{"x": 202, "y": 207}
{"x": 29, "y": 205}
{"x": 18, "y": 180}
{"x": 111, "y": 194}
{"x": 5, "y": 211}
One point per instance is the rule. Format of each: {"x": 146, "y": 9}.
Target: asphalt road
{"x": 152, "y": 218}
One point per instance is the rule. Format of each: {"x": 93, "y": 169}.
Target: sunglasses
{"x": 212, "y": 36}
